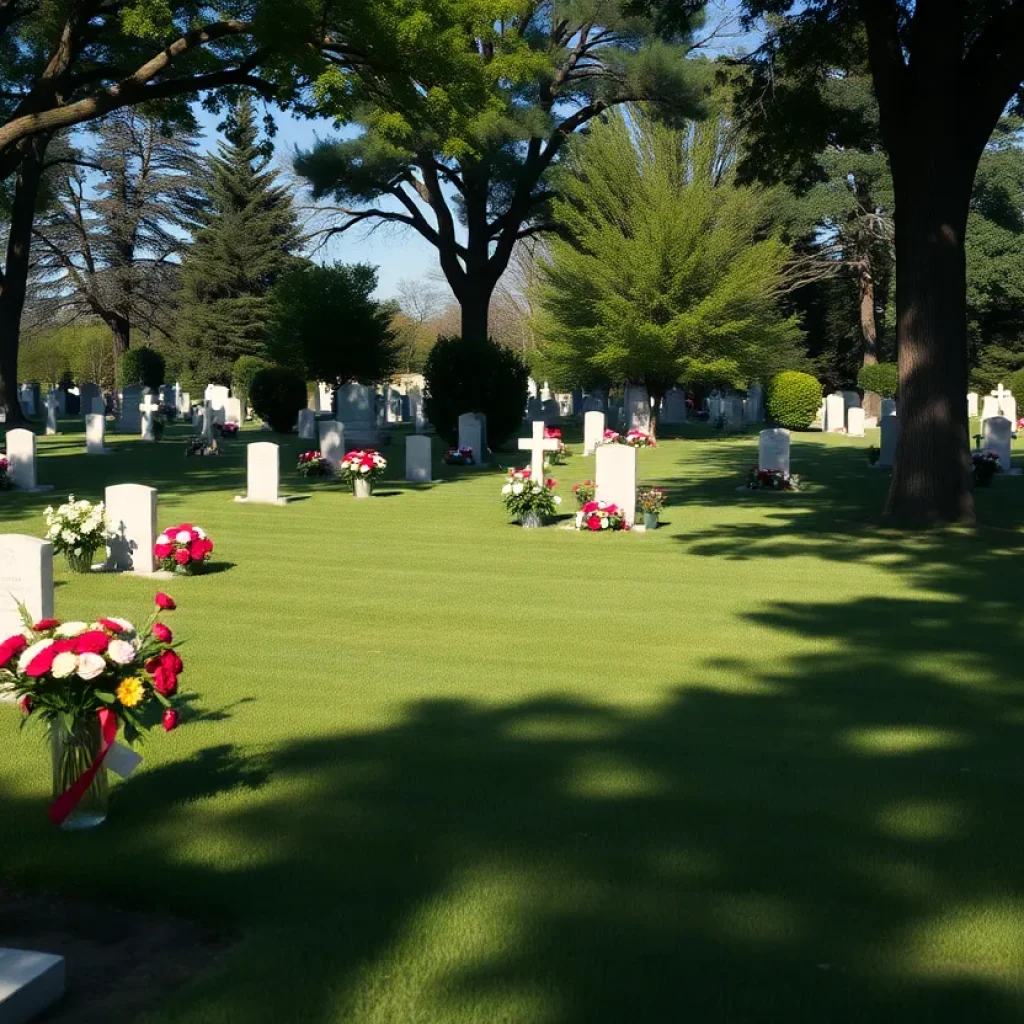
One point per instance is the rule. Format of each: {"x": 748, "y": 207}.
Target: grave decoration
{"x": 584, "y": 492}
{"x": 557, "y": 456}
{"x": 638, "y": 439}
{"x": 313, "y": 463}
{"x": 459, "y": 457}
{"x": 596, "y": 516}
{"x": 652, "y": 502}
{"x": 78, "y": 529}
{"x": 183, "y": 549}
{"x": 985, "y": 465}
{"x": 360, "y": 468}
{"x": 85, "y": 682}
{"x": 226, "y": 430}
{"x": 772, "y": 480}
{"x": 5, "y": 476}
{"x": 610, "y": 437}
{"x": 528, "y": 498}
{"x": 200, "y": 446}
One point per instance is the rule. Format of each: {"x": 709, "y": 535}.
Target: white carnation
{"x": 64, "y": 664}
{"x": 517, "y": 488}
{"x": 121, "y": 652}
{"x": 163, "y": 539}
{"x": 70, "y": 629}
{"x": 507, "y": 489}
{"x": 126, "y": 626}
{"x": 90, "y": 666}
{"x": 183, "y": 537}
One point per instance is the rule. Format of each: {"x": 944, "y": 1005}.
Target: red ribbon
{"x": 68, "y": 800}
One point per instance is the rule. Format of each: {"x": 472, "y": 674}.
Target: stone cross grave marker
{"x": 149, "y": 409}
{"x": 537, "y": 445}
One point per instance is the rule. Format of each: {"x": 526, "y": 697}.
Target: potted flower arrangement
{"x": 561, "y": 453}
{"x": 600, "y": 515}
{"x": 611, "y": 437}
{"x": 652, "y": 500}
{"x": 199, "y": 446}
{"x": 772, "y": 480}
{"x": 584, "y": 492}
{"x": 360, "y": 469}
{"x": 313, "y": 463}
{"x": 986, "y": 465}
{"x": 226, "y": 430}
{"x": 529, "y": 500}
{"x": 78, "y": 529}
{"x": 638, "y": 439}
{"x": 86, "y": 682}
{"x": 5, "y": 476}
{"x": 459, "y": 456}
{"x": 183, "y": 549}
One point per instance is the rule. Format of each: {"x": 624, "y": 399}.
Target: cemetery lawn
{"x": 764, "y": 764}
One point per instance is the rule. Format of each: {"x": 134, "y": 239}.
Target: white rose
{"x": 507, "y": 489}
{"x": 54, "y": 531}
{"x": 68, "y": 537}
{"x": 517, "y": 488}
{"x": 183, "y": 537}
{"x": 90, "y": 666}
{"x": 70, "y": 629}
{"x": 121, "y": 652}
{"x": 163, "y": 539}
{"x": 30, "y": 652}
{"x": 557, "y": 500}
{"x": 64, "y": 664}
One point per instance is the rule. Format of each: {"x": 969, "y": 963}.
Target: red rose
{"x": 95, "y": 641}
{"x": 163, "y": 550}
{"x": 10, "y": 647}
{"x": 170, "y": 661}
{"x": 161, "y": 633}
{"x": 594, "y": 523}
{"x": 26, "y": 705}
{"x": 181, "y": 556}
{"x": 109, "y": 624}
{"x": 197, "y": 549}
{"x": 170, "y": 720}
{"x": 208, "y": 546}
{"x": 164, "y": 601}
{"x": 164, "y": 681}
{"x": 44, "y": 624}
{"x": 42, "y": 662}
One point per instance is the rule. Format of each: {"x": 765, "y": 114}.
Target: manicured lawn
{"x": 765, "y": 764}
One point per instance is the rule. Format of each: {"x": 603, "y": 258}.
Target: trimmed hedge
{"x": 793, "y": 399}
{"x": 882, "y": 378}
{"x": 141, "y": 368}
{"x": 242, "y": 373}
{"x": 277, "y": 394}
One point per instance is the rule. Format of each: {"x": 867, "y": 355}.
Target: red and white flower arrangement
{"x": 611, "y": 437}
{"x": 559, "y": 455}
{"x": 183, "y": 549}
{"x": 85, "y": 681}
{"x": 600, "y": 515}
{"x": 525, "y": 497}
{"x": 772, "y": 480}
{"x": 584, "y": 492}
{"x": 364, "y": 464}
{"x": 639, "y": 439}
{"x": 228, "y": 430}
{"x": 5, "y": 475}
{"x": 459, "y": 456}
{"x": 313, "y": 463}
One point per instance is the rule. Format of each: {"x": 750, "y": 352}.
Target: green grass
{"x": 764, "y": 764}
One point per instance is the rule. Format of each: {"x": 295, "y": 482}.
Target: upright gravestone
{"x": 872, "y": 405}
{"x": 131, "y": 522}
{"x": 638, "y": 409}
{"x": 593, "y": 431}
{"x": 616, "y": 478}
{"x": 890, "y": 427}
{"x": 307, "y": 424}
{"x": 473, "y": 434}
{"x": 207, "y": 418}
{"x": 233, "y": 411}
{"x": 95, "y": 435}
{"x": 356, "y": 412}
{"x": 21, "y": 459}
{"x": 732, "y": 412}
{"x": 217, "y": 395}
{"x": 549, "y": 412}
{"x": 416, "y": 414}
{"x": 888, "y": 408}
{"x": 972, "y": 404}
{"x": 88, "y": 393}
{"x": 537, "y": 445}
{"x": 851, "y": 400}
{"x": 167, "y": 397}
{"x": 773, "y": 450}
{"x": 753, "y": 407}
{"x": 673, "y": 406}
{"x": 26, "y": 575}
{"x": 596, "y": 401}
{"x": 417, "y": 459}
{"x": 52, "y": 409}
{"x": 323, "y": 397}
{"x": 148, "y": 409}
{"x": 855, "y": 421}
{"x": 28, "y": 396}
{"x": 835, "y": 414}
{"x": 99, "y": 407}
{"x": 263, "y": 473}
{"x": 130, "y": 421}
{"x": 184, "y": 403}
{"x": 332, "y": 442}
{"x": 997, "y": 436}
{"x": 566, "y": 403}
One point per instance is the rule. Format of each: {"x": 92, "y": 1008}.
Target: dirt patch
{"x": 118, "y": 961}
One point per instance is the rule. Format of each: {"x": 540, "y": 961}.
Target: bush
{"x": 242, "y": 373}
{"x": 882, "y": 378}
{"x": 793, "y": 399}
{"x": 277, "y": 395}
{"x": 1015, "y": 383}
{"x": 472, "y": 376}
{"x": 141, "y": 368}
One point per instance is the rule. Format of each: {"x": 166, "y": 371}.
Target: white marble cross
{"x": 537, "y": 446}
{"x": 1000, "y": 393}
{"x": 148, "y": 408}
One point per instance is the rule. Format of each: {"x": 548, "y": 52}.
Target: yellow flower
{"x": 131, "y": 692}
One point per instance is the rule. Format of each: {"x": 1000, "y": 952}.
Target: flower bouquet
{"x": 360, "y": 469}
{"x": 313, "y": 463}
{"x": 772, "y": 480}
{"x": 5, "y": 475}
{"x": 600, "y": 515}
{"x": 638, "y": 439}
{"x": 584, "y": 492}
{"x": 183, "y": 549}
{"x": 611, "y": 437}
{"x": 227, "y": 430}
{"x": 459, "y": 456}
{"x": 85, "y": 682}
{"x": 652, "y": 501}
{"x": 530, "y": 501}
{"x": 561, "y": 453}
{"x": 986, "y": 465}
{"x": 78, "y": 529}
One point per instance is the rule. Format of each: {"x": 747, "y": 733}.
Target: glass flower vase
{"x": 531, "y": 521}
{"x": 82, "y": 562}
{"x": 72, "y": 752}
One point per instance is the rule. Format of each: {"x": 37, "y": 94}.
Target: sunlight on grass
{"x": 923, "y": 820}
{"x": 901, "y": 740}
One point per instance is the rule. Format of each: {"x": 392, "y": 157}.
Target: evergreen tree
{"x": 248, "y": 240}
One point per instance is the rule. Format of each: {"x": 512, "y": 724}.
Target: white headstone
{"x": 835, "y": 414}
{"x": 773, "y": 449}
{"x": 184, "y": 403}
{"x": 131, "y": 521}
{"x": 673, "y": 406}
{"x": 217, "y": 395}
{"x": 52, "y": 408}
{"x": 26, "y": 396}
{"x": 21, "y": 458}
{"x": 206, "y": 422}
{"x": 972, "y": 404}
{"x": 855, "y": 421}
{"x": 537, "y": 445}
{"x": 890, "y": 427}
{"x": 263, "y": 471}
{"x": 593, "y": 431}
{"x": 148, "y": 409}
{"x": 95, "y": 435}
{"x": 616, "y": 478}
{"x": 473, "y": 434}
{"x": 307, "y": 424}
{"x": 233, "y": 411}
{"x": 997, "y": 434}
{"x": 332, "y": 442}
{"x": 417, "y": 458}
{"x": 545, "y": 393}
{"x": 26, "y": 575}
{"x": 87, "y": 394}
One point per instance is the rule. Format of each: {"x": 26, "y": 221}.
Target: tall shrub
{"x": 793, "y": 399}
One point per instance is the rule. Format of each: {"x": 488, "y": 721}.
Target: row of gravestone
{"x": 363, "y": 410}
{"x": 843, "y": 412}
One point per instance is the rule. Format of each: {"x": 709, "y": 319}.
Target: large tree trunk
{"x": 931, "y": 480}
{"x": 868, "y": 328}
{"x": 14, "y": 285}
{"x": 476, "y": 304}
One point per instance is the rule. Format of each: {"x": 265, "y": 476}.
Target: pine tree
{"x": 249, "y": 238}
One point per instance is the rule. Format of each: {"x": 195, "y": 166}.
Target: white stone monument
{"x": 855, "y": 421}
{"x": 997, "y": 436}
{"x": 307, "y": 424}
{"x": 95, "y": 435}
{"x": 473, "y": 434}
{"x": 773, "y": 449}
{"x": 416, "y": 413}
{"x": 184, "y": 404}
{"x": 26, "y": 575}
{"x": 52, "y": 408}
{"x": 263, "y": 474}
{"x": 148, "y": 410}
{"x": 637, "y": 409}
{"x": 972, "y": 404}
{"x": 537, "y": 445}
{"x": 332, "y": 443}
{"x": 233, "y": 411}
{"x": 417, "y": 459}
{"x": 21, "y": 459}
{"x": 593, "y": 431}
{"x": 890, "y": 427}
{"x": 835, "y": 414}
{"x": 131, "y": 522}
{"x": 30, "y": 982}
{"x": 616, "y": 478}
{"x": 207, "y": 418}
